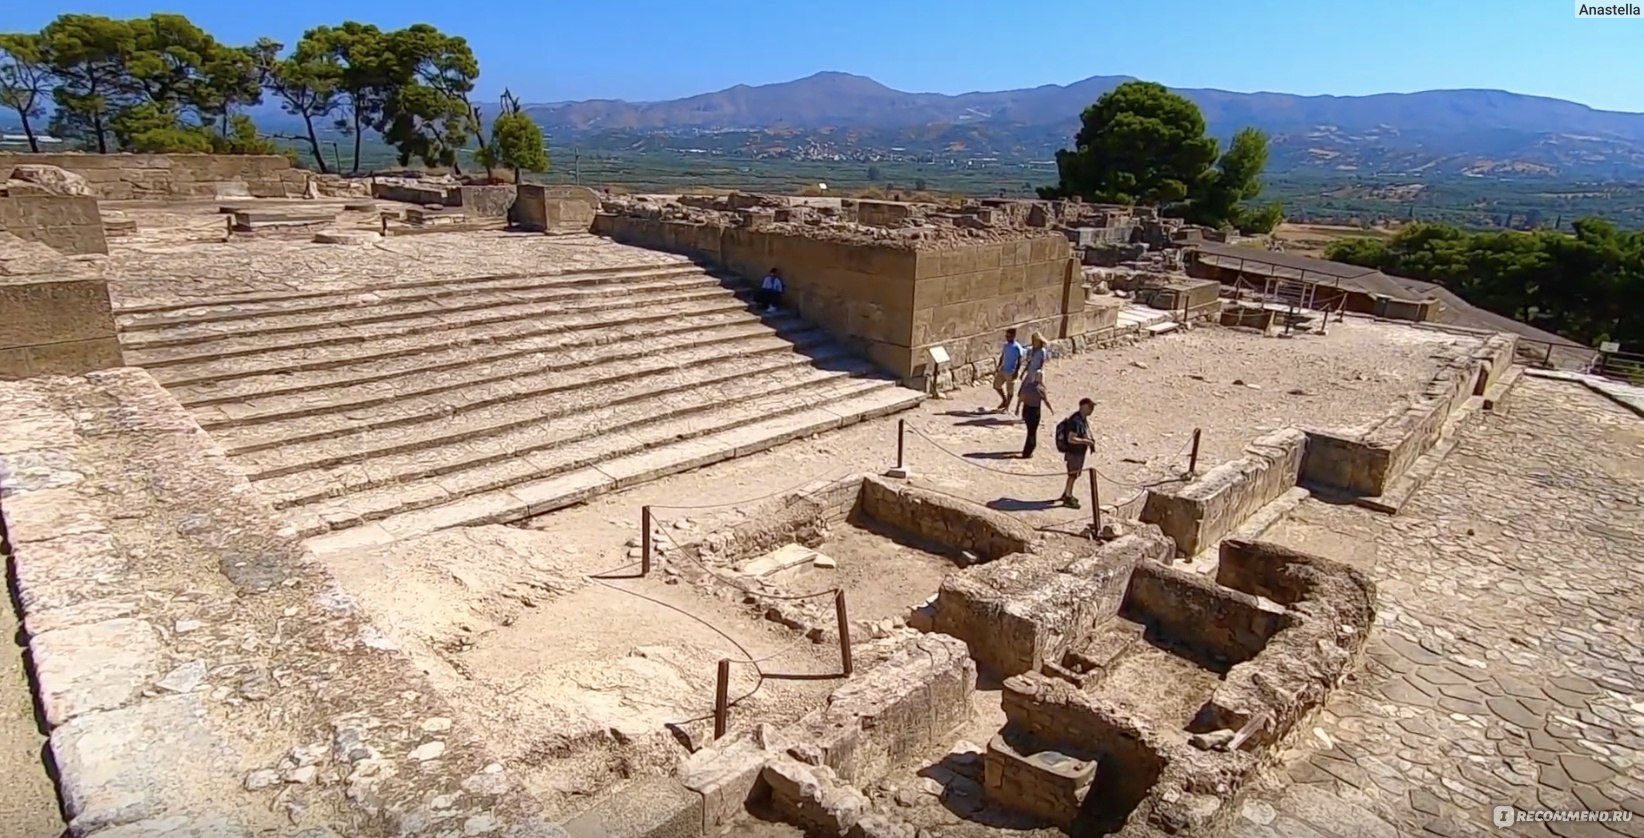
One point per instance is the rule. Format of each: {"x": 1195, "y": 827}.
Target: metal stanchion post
{"x": 645, "y": 541}
{"x": 722, "y": 692}
{"x": 900, "y": 471}
{"x": 844, "y": 633}
{"x": 1095, "y": 506}
{"x": 1193, "y": 456}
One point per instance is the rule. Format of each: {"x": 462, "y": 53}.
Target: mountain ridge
{"x": 1465, "y": 131}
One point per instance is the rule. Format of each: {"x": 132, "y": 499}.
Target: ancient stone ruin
{"x": 406, "y": 506}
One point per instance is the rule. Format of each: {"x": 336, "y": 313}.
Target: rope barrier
{"x": 1011, "y": 473}
{"x": 744, "y": 502}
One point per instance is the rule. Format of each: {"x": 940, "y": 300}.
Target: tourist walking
{"x": 770, "y": 291}
{"x": 1034, "y": 401}
{"x": 1006, "y": 371}
{"x": 1074, "y": 441}
{"x": 1038, "y": 354}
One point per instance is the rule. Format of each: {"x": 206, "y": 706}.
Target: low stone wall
{"x": 56, "y": 327}
{"x": 1220, "y": 626}
{"x": 959, "y": 525}
{"x": 199, "y": 672}
{"x": 67, "y": 224}
{"x": 812, "y": 798}
{"x": 555, "y": 209}
{"x": 1331, "y": 608}
{"x": 1047, "y": 785}
{"x": 175, "y": 177}
{"x": 1021, "y": 612}
{"x": 1366, "y": 463}
{"x": 1197, "y": 514}
{"x": 900, "y": 710}
{"x": 1145, "y": 777}
{"x": 486, "y": 201}
{"x": 890, "y": 303}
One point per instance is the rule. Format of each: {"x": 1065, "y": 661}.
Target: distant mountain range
{"x": 1436, "y": 133}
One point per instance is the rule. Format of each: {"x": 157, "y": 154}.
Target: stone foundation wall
{"x": 1047, "y": 785}
{"x": 1165, "y": 787}
{"x": 902, "y": 709}
{"x": 1221, "y": 626}
{"x": 56, "y": 327}
{"x": 950, "y": 522}
{"x": 1021, "y": 612}
{"x": 486, "y": 201}
{"x": 1331, "y": 609}
{"x": 555, "y": 209}
{"x": 1197, "y": 514}
{"x": 812, "y": 798}
{"x": 1366, "y": 463}
{"x": 176, "y": 177}
{"x": 65, "y": 223}
{"x": 192, "y": 658}
{"x": 888, "y": 303}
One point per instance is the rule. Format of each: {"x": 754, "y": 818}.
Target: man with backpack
{"x": 1074, "y": 441}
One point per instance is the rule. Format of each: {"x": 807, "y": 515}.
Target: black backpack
{"x": 1063, "y": 428}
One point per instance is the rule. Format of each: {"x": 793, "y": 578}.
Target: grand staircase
{"x": 376, "y": 414}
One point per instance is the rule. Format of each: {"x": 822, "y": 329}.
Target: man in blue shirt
{"x": 1006, "y": 371}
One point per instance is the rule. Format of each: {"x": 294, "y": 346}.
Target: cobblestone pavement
{"x": 1507, "y": 666}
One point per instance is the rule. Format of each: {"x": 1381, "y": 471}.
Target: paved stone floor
{"x": 1507, "y": 667}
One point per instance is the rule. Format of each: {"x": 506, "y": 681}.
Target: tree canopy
{"x": 161, "y": 83}
{"x": 1588, "y": 287}
{"x": 1142, "y": 144}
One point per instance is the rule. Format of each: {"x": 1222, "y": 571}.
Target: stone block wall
{"x": 486, "y": 201}
{"x": 1331, "y": 609}
{"x": 56, "y": 327}
{"x": 894, "y": 713}
{"x": 176, "y": 177}
{"x": 555, "y": 209}
{"x": 882, "y": 213}
{"x": 1221, "y": 626}
{"x": 1197, "y": 514}
{"x": 1021, "y": 612}
{"x": 67, "y": 224}
{"x": 891, "y": 303}
{"x": 950, "y": 522}
{"x": 964, "y": 298}
{"x": 1366, "y": 463}
{"x": 812, "y": 798}
{"x": 904, "y": 708}
{"x": 1047, "y": 785}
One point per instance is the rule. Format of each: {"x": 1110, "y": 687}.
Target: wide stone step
{"x": 209, "y": 380}
{"x": 286, "y": 420}
{"x": 227, "y": 309}
{"x": 321, "y": 293}
{"x": 369, "y": 311}
{"x": 447, "y": 439}
{"x": 539, "y": 483}
{"x": 324, "y": 391}
{"x": 589, "y": 314}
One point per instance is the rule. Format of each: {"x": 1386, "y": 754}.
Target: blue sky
{"x": 651, "y": 49}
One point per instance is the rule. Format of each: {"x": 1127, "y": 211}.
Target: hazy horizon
{"x": 654, "y": 51}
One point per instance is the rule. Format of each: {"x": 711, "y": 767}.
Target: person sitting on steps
{"x": 770, "y": 291}
{"x": 1074, "y": 441}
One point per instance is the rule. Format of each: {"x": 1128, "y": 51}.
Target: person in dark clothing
{"x": 1035, "y": 400}
{"x": 1074, "y": 441}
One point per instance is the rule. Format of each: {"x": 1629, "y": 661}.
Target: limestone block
{"x": 954, "y": 523}
{"x": 55, "y": 311}
{"x": 53, "y": 179}
{"x": 94, "y": 667}
{"x": 1224, "y": 626}
{"x": 1199, "y": 513}
{"x": 123, "y": 766}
